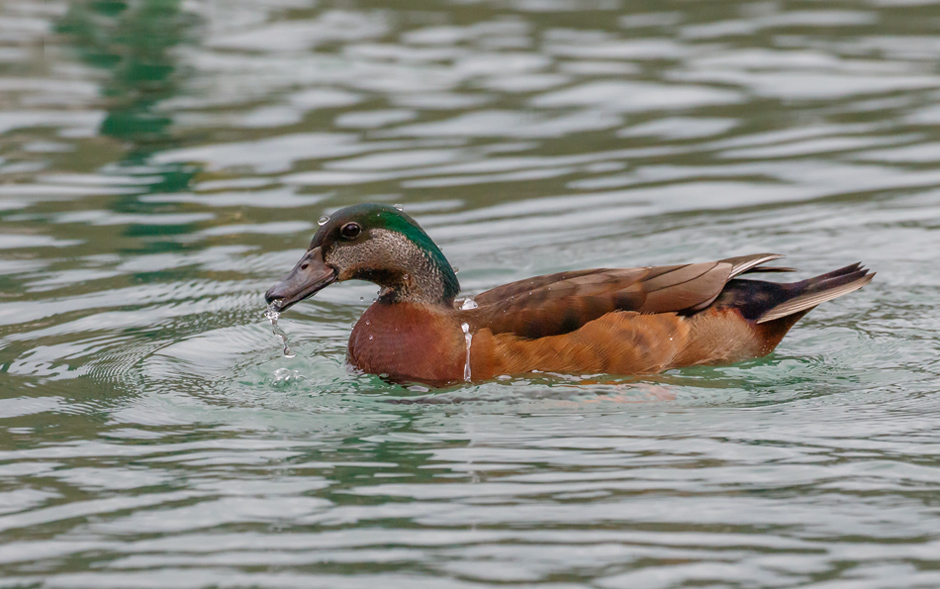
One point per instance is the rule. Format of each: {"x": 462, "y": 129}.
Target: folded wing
{"x": 559, "y": 303}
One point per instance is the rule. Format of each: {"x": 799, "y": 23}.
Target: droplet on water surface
{"x": 323, "y": 220}
{"x": 272, "y": 315}
{"x": 468, "y": 337}
{"x": 285, "y": 375}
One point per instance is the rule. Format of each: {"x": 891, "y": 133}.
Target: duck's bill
{"x": 309, "y": 276}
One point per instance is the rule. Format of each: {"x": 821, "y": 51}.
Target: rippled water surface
{"x": 162, "y": 162}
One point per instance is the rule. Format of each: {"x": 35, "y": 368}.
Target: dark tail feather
{"x": 840, "y": 272}
{"x": 806, "y": 294}
{"x": 757, "y": 269}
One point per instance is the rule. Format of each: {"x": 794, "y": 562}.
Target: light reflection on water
{"x": 164, "y": 162}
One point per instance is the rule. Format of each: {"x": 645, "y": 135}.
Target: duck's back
{"x": 645, "y": 320}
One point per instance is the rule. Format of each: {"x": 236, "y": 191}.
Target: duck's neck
{"x": 421, "y": 274}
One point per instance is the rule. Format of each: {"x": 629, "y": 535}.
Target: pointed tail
{"x": 806, "y": 294}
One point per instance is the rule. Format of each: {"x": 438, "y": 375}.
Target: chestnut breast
{"x": 408, "y": 341}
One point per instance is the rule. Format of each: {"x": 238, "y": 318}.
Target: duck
{"x": 614, "y": 321}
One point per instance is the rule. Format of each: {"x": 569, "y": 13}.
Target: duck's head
{"x": 373, "y": 242}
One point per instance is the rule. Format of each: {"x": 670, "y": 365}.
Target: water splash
{"x": 284, "y": 376}
{"x": 469, "y": 338}
{"x": 468, "y": 304}
{"x": 272, "y": 315}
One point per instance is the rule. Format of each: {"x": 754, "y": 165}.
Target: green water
{"x": 162, "y": 163}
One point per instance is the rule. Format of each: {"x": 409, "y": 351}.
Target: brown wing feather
{"x": 529, "y": 285}
{"x": 555, "y": 304}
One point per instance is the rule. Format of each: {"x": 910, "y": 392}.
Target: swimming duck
{"x": 604, "y": 320}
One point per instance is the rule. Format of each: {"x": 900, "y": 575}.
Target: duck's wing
{"x": 559, "y": 303}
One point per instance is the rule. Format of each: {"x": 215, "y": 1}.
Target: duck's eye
{"x": 350, "y": 230}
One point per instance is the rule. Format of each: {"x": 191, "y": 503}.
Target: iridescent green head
{"x": 373, "y": 242}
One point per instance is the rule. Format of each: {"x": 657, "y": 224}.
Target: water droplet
{"x": 468, "y": 337}
{"x": 323, "y": 220}
{"x": 371, "y": 337}
{"x": 368, "y": 322}
{"x": 400, "y": 207}
{"x": 456, "y": 269}
{"x": 362, "y": 298}
{"x": 468, "y": 304}
{"x": 272, "y": 314}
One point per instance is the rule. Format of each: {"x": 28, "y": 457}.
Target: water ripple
{"x": 163, "y": 163}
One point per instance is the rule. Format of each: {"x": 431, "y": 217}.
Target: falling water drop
{"x": 468, "y": 337}
{"x": 323, "y": 220}
{"x": 272, "y": 314}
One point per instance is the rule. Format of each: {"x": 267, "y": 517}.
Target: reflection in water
{"x": 134, "y": 44}
{"x": 161, "y": 162}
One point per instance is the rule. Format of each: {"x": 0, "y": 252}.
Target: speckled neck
{"x": 423, "y": 275}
